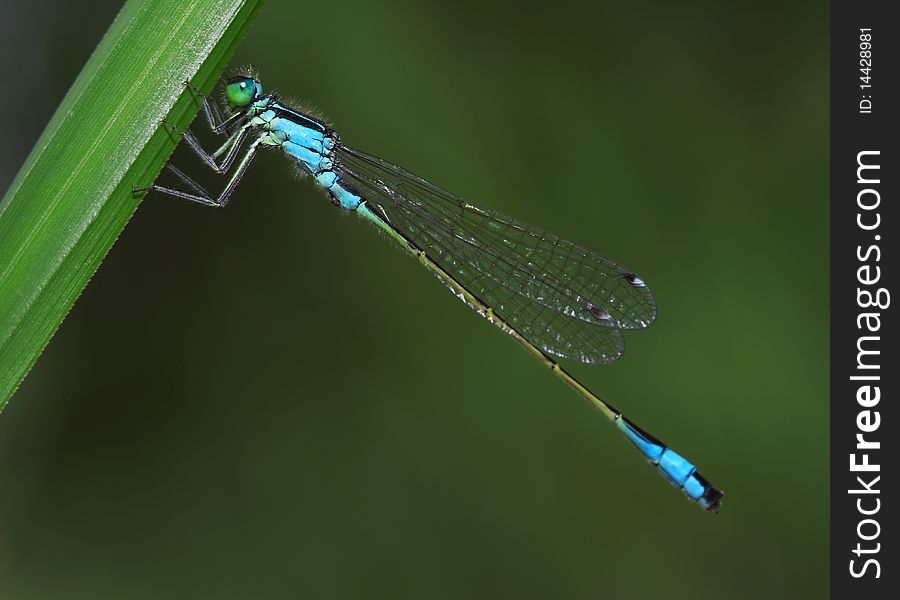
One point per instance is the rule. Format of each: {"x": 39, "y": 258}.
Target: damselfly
{"x": 554, "y": 297}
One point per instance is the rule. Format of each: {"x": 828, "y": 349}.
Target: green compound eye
{"x": 240, "y": 91}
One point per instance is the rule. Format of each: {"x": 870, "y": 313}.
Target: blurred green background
{"x": 269, "y": 400}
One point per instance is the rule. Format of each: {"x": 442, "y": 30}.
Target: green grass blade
{"x": 72, "y": 197}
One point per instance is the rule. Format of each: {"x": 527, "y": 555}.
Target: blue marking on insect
{"x": 311, "y": 159}
{"x": 326, "y": 179}
{"x": 300, "y": 134}
{"x": 345, "y": 197}
{"x": 675, "y": 468}
{"x": 648, "y": 445}
{"x": 302, "y": 119}
{"x": 694, "y": 488}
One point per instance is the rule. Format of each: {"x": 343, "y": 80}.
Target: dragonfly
{"x": 554, "y": 297}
